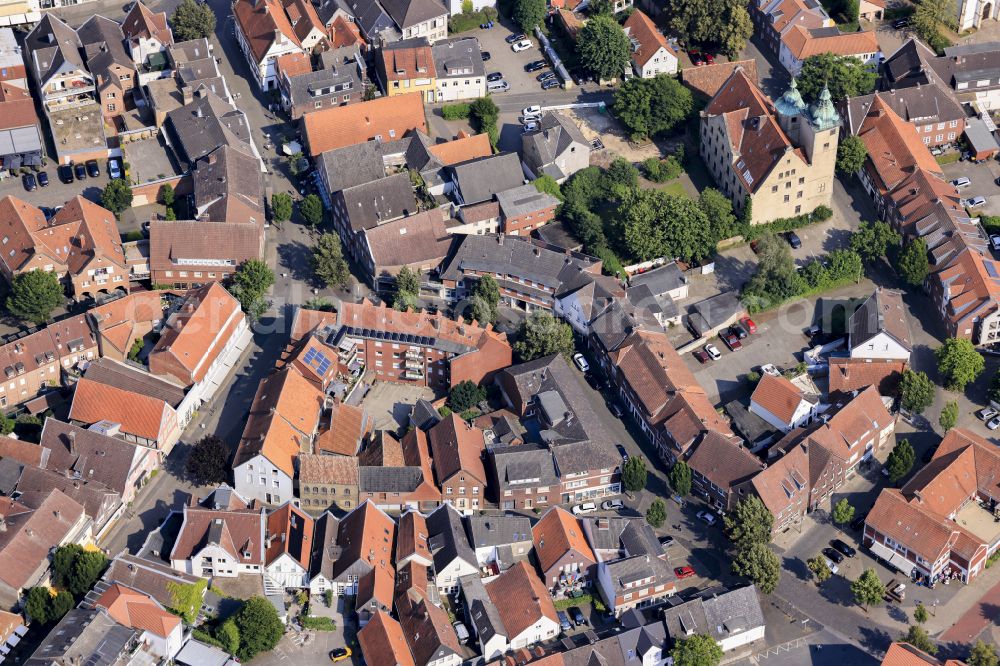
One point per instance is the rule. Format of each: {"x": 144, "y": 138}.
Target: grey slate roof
{"x": 481, "y": 610}
{"x": 555, "y": 134}
{"x": 423, "y": 415}
{"x": 389, "y": 479}
{"x": 408, "y": 13}
{"x": 198, "y": 128}
{"x": 324, "y": 546}
{"x": 605, "y": 533}
{"x": 522, "y": 466}
{"x": 229, "y": 186}
{"x": 103, "y": 44}
{"x": 122, "y": 376}
{"x": 716, "y": 310}
{"x": 485, "y": 531}
{"x": 351, "y": 166}
{"x": 369, "y": 15}
{"x": 637, "y": 642}
{"x": 51, "y": 45}
{"x": 577, "y": 457}
{"x": 719, "y": 615}
{"x": 524, "y": 199}
{"x": 380, "y": 201}
{"x": 882, "y": 311}
{"x": 343, "y": 71}
{"x": 93, "y": 456}
{"x": 925, "y": 103}
{"x": 10, "y": 472}
{"x": 480, "y": 178}
{"x": 628, "y": 570}
{"x": 910, "y": 65}
{"x": 447, "y": 539}
{"x": 661, "y": 279}
{"x": 458, "y": 57}
{"x": 85, "y": 636}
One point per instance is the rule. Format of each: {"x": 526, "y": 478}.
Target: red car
{"x": 701, "y": 355}
{"x": 695, "y": 58}
{"x": 748, "y": 325}
{"x": 731, "y": 341}
{"x": 709, "y": 58}
{"x": 683, "y": 572}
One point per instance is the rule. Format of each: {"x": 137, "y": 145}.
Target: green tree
{"x": 484, "y": 113}
{"x": 604, "y": 47}
{"x": 229, "y": 635}
{"x": 136, "y": 349}
{"x": 851, "y": 155}
{"x": 819, "y": 568}
{"x": 656, "y": 514}
{"x": 912, "y": 263}
{"x": 749, "y": 522}
{"x": 86, "y": 567}
{"x": 465, "y": 395}
{"x": 634, "y": 474}
{"x": 845, "y": 76}
{"x": 776, "y": 278}
{"x": 328, "y": 261}
{"x": 542, "y": 334}
{"x": 843, "y": 512}
{"x": 37, "y": 604}
{"x": 185, "y": 599}
{"x": 548, "y": 185}
{"x": 658, "y": 224}
{"x": 949, "y": 416}
{"x": 697, "y": 650}
{"x": 259, "y": 626}
{"x": 868, "y": 590}
{"x": 920, "y": 614}
{"x": 900, "y": 460}
{"x": 62, "y": 563}
{"x": 916, "y": 390}
{"x": 167, "y": 195}
{"x": 718, "y": 210}
{"x": 918, "y": 637}
{"x": 528, "y": 13}
{"x": 208, "y": 463}
{"x": 250, "y": 283}
{"x": 760, "y": 565}
{"x": 722, "y": 22}
{"x": 621, "y": 177}
{"x": 872, "y": 239}
{"x": 281, "y": 206}
{"x": 117, "y": 196}
{"x": 59, "y": 605}
{"x": 680, "y": 478}
{"x": 648, "y": 107}
{"x": 311, "y": 208}
{"x": 407, "y": 289}
{"x": 192, "y": 20}
{"x": 958, "y": 363}
{"x": 983, "y": 654}
{"x": 930, "y": 17}
{"x": 6, "y": 425}
{"x": 34, "y": 295}
{"x": 485, "y": 300}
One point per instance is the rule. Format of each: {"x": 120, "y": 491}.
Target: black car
{"x": 843, "y": 548}
{"x": 510, "y": 39}
{"x": 899, "y": 24}
{"x": 615, "y": 410}
{"x": 486, "y": 55}
{"x": 80, "y": 171}
{"x": 577, "y": 615}
{"x": 47, "y": 212}
{"x": 28, "y": 180}
{"x": 859, "y": 522}
{"x": 622, "y": 452}
{"x": 43, "y": 178}
{"x": 93, "y": 170}
{"x": 833, "y": 555}
{"x": 65, "y": 173}
{"x": 494, "y": 76}
{"x": 535, "y": 65}
{"x": 550, "y": 84}
{"x": 738, "y": 331}
{"x": 793, "y": 240}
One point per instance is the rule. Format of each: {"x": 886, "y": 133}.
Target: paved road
{"x": 972, "y": 623}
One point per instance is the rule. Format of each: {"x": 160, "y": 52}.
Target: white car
{"x": 707, "y": 517}
{"x": 586, "y": 507}
{"x": 974, "y": 202}
{"x": 612, "y": 505}
{"x": 986, "y": 413}
{"x": 581, "y": 362}
{"x": 522, "y": 45}
{"x": 713, "y": 351}
{"x": 995, "y": 241}
{"x": 497, "y": 86}
{"x": 532, "y": 125}
{"x": 831, "y": 566}
{"x": 114, "y": 171}
{"x": 960, "y": 183}
{"x": 534, "y": 110}
{"x": 993, "y": 423}
{"x": 770, "y": 369}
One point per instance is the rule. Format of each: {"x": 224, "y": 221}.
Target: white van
{"x": 497, "y": 86}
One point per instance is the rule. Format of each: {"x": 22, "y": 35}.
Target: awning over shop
{"x": 892, "y": 558}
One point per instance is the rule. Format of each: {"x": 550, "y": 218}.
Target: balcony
{"x": 414, "y": 364}
{"x": 415, "y": 354}
{"x": 413, "y": 374}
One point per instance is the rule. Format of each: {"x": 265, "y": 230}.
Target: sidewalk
{"x": 974, "y": 606}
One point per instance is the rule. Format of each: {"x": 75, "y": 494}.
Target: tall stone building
{"x": 781, "y": 155}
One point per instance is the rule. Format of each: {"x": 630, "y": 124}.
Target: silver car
{"x": 974, "y": 202}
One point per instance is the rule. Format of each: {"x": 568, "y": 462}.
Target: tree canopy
{"x": 959, "y": 363}
{"x": 486, "y": 299}
{"x": 777, "y": 277}
{"x": 465, "y": 395}
{"x": 900, "y": 460}
{"x": 407, "y": 289}
{"x": 760, "y": 565}
{"x": 749, "y": 522}
{"x": 208, "y": 463}
{"x": 634, "y": 474}
{"x": 542, "y": 334}
{"x": 819, "y": 567}
{"x": 916, "y": 390}
{"x": 77, "y": 569}
{"x": 868, "y": 590}
{"x": 186, "y": 598}
{"x": 723, "y": 22}
{"x": 656, "y": 514}
{"x": 697, "y": 650}
{"x": 913, "y": 264}
{"x": 851, "y": 154}
{"x": 872, "y": 240}
{"x": 250, "y": 283}
{"x": 648, "y": 107}
{"x": 328, "y": 261}
{"x": 928, "y": 19}
{"x": 547, "y": 184}
{"x": 281, "y": 206}
{"x": 604, "y": 47}
{"x": 949, "y": 415}
{"x": 845, "y": 76}
{"x": 192, "y": 20}
{"x": 983, "y": 654}
{"x": 528, "y": 13}
{"x": 843, "y": 511}
{"x": 311, "y": 209}
{"x": 918, "y": 637}
{"x": 658, "y": 224}
{"x": 259, "y": 627}
{"x": 34, "y": 295}
{"x": 117, "y": 196}
{"x": 680, "y": 478}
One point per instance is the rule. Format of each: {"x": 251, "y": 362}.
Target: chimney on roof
{"x": 72, "y": 443}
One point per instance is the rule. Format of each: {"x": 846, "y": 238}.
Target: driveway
{"x": 983, "y": 177}
{"x": 504, "y": 60}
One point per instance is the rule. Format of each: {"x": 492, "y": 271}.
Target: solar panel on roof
{"x": 317, "y": 360}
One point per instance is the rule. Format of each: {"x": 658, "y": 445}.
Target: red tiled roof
{"x": 778, "y": 396}
{"x": 403, "y": 63}
{"x": 723, "y": 462}
{"x": 239, "y": 532}
{"x": 457, "y": 446}
{"x": 386, "y": 117}
{"x": 557, "y": 533}
{"x": 290, "y": 531}
{"x": 382, "y": 642}
{"x": 520, "y": 598}
{"x": 803, "y": 44}
{"x": 641, "y": 28}
{"x": 142, "y": 22}
{"x": 260, "y": 21}
{"x": 17, "y": 108}
{"x": 854, "y": 374}
{"x": 708, "y": 79}
{"x": 894, "y": 148}
{"x": 461, "y": 149}
{"x": 137, "y": 611}
{"x": 138, "y": 414}
{"x": 348, "y": 426}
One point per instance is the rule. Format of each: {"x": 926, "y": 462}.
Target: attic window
{"x": 748, "y": 177}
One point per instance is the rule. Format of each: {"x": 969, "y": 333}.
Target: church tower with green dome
{"x": 792, "y": 111}
{"x": 819, "y": 136}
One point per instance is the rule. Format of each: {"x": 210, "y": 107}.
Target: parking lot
{"x": 982, "y": 176}
{"x": 56, "y": 193}
{"x": 510, "y": 64}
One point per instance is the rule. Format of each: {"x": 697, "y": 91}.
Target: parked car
{"x": 732, "y": 341}
{"x": 993, "y": 423}
{"x": 578, "y": 617}
{"x": 612, "y": 505}
{"x": 494, "y": 76}
{"x": 545, "y": 76}
{"x": 834, "y": 555}
{"x": 666, "y": 541}
{"x": 706, "y": 517}
{"x": 529, "y": 126}
{"x": 709, "y": 58}
{"x": 832, "y": 567}
{"x": 461, "y": 632}
{"x": 859, "y": 522}
{"x": 586, "y": 507}
{"x": 65, "y": 173}
{"x": 713, "y": 351}
{"x": 522, "y": 45}
{"x": 80, "y": 171}
{"x": 486, "y": 55}
{"x": 748, "y": 324}
{"x": 340, "y": 654}
{"x": 960, "y": 183}
{"x": 622, "y": 452}
{"x": 615, "y": 410}
{"x": 793, "y": 240}
{"x": 510, "y": 39}
{"x": 843, "y": 548}
{"x": 581, "y": 362}
{"x": 93, "y": 170}
{"x": 986, "y": 413}
{"x": 899, "y": 24}
{"x": 533, "y": 110}
{"x": 701, "y": 355}
{"x": 738, "y": 331}
{"x": 497, "y": 86}
{"x": 535, "y": 65}
{"x": 43, "y": 178}
{"x": 683, "y": 572}
{"x": 28, "y": 180}
{"x": 974, "y": 202}
{"x": 995, "y": 241}
{"x": 114, "y": 171}
{"x": 770, "y": 369}
{"x": 695, "y": 58}
{"x": 550, "y": 84}
{"x": 564, "y": 622}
